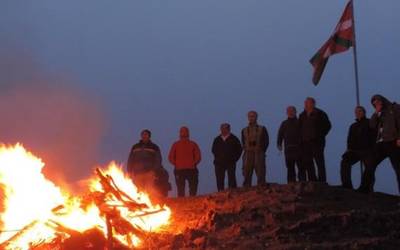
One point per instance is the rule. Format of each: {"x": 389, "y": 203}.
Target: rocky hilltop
{"x": 295, "y": 216}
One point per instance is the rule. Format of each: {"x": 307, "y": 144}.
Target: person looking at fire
{"x": 185, "y": 155}
{"x": 144, "y": 164}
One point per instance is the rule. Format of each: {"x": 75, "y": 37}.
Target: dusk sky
{"x": 129, "y": 65}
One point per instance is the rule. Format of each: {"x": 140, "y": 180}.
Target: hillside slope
{"x": 296, "y": 216}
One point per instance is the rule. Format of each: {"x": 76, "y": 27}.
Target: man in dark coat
{"x": 315, "y": 126}
{"x": 255, "y": 142}
{"x": 289, "y": 133}
{"x": 144, "y": 166}
{"x": 227, "y": 150}
{"x": 386, "y": 122}
{"x": 360, "y": 141}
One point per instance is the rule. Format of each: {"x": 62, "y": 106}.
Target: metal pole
{"x": 355, "y": 58}
{"x": 358, "y": 102}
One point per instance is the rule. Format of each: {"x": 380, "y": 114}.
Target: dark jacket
{"x": 387, "y": 122}
{"x": 289, "y": 133}
{"x": 228, "y": 151}
{"x": 314, "y": 127}
{"x": 259, "y": 143}
{"x": 144, "y": 157}
{"x": 162, "y": 181}
{"x": 360, "y": 137}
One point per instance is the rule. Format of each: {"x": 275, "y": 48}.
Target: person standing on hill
{"x": 227, "y": 150}
{"x": 386, "y": 122}
{"x": 289, "y": 134}
{"x": 360, "y": 142}
{"x": 255, "y": 142}
{"x": 144, "y": 164}
{"x": 185, "y": 155}
{"x": 314, "y": 127}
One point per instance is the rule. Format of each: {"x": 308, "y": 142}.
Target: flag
{"x": 341, "y": 40}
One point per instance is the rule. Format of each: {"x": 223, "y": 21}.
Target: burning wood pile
{"x": 36, "y": 214}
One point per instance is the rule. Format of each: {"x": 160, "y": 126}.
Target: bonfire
{"x": 37, "y": 214}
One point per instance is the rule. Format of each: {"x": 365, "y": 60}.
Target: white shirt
{"x": 225, "y": 137}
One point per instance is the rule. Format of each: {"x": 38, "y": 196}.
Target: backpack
{"x": 162, "y": 179}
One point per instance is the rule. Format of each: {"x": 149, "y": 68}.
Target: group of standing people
{"x": 148, "y": 174}
{"x": 370, "y": 141}
{"x": 302, "y": 139}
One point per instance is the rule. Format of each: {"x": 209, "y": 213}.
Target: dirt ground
{"x": 295, "y": 216}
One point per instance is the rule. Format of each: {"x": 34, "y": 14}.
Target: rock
{"x": 200, "y": 241}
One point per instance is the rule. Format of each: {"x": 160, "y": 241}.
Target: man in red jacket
{"x": 185, "y": 155}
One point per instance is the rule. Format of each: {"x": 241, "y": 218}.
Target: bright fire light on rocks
{"x": 34, "y": 211}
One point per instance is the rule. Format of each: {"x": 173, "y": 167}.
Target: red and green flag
{"x": 341, "y": 40}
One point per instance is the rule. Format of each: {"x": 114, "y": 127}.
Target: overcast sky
{"x": 163, "y": 64}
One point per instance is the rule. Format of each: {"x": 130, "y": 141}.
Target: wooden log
{"x": 61, "y": 228}
{"x": 110, "y": 239}
{"x": 19, "y": 234}
{"x": 110, "y": 186}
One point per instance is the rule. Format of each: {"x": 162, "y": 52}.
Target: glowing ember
{"x": 35, "y": 211}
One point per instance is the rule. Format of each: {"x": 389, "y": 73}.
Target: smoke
{"x": 56, "y": 120}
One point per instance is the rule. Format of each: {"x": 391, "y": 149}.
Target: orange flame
{"x": 30, "y": 199}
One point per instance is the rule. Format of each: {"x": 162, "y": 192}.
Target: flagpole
{"x": 356, "y": 73}
{"x": 355, "y": 58}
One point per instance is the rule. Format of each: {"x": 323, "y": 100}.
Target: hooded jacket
{"x": 185, "y": 154}
{"x": 386, "y": 122}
